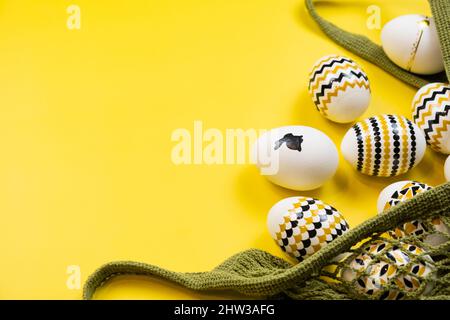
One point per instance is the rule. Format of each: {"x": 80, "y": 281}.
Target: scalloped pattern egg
{"x": 384, "y": 146}
{"x": 339, "y": 88}
{"x": 301, "y": 226}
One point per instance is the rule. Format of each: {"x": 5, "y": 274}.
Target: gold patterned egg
{"x": 431, "y": 112}
{"x": 339, "y": 88}
{"x": 382, "y": 264}
{"x": 384, "y": 146}
{"x": 302, "y": 226}
{"x": 405, "y": 190}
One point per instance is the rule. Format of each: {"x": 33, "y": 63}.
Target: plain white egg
{"x": 296, "y": 157}
{"x": 412, "y": 43}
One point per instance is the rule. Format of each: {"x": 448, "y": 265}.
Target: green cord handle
{"x": 372, "y": 52}
{"x": 258, "y": 273}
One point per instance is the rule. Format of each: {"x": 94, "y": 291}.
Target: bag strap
{"x": 372, "y": 52}
{"x": 258, "y": 273}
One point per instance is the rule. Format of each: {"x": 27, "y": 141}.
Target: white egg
{"x": 384, "y": 146}
{"x": 447, "y": 169}
{"x": 296, "y": 157}
{"x": 339, "y": 88}
{"x": 405, "y": 190}
{"x": 412, "y": 43}
{"x": 431, "y": 113}
{"x": 301, "y": 226}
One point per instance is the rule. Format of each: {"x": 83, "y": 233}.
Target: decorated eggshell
{"x": 447, "y": 169}
{"x": 378, "y": 266}
{"x": 412, "y": 43}
{"x": 302, "y": 226}
{"x": 400, "y": 192}
{"x": 385, "y": 145}
{"x": 339, "y": 88}
{"x": 431, "y": 113}
{"x": 296, "y": 157}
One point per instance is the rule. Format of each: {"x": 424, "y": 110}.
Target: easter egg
{"x": 302, "y": 226}
{"x": 296, "y": 157}
{"x": 379, "y": 266}
{"x": 400, "y": 192}
{"x": 431, "y": 113}
{"x": 339, "y": 88}
{"x": 412, "y": 43}
{"x": 447, "y": 169}
{"x": 385, "y": 145}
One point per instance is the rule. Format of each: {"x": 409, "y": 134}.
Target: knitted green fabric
{"x": 320, "y": 276}
{"x": 365, "y": 48}
{"x": 257, "y": 273}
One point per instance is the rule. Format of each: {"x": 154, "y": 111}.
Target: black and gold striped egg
{"x": 385, "y": 145}
{"x": 431, "y": 113}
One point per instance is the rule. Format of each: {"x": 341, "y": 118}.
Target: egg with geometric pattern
{"x": 387, "y": 271}
{"x": 401, "y": 191}
{"x": 431, "y": 113}
{"x": 384, "y": 146}
{"x": 339, "y": 88}
{"x": 301, "y": 226}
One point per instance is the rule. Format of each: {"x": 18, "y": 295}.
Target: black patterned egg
{"x": 385, "y": 145}
{"x": 387, "y": 272}
{"x": 339, "y": 88}
{"x": 431, "y": 113}
{"x": 401, "y": 191}
{"x": 301, "y": 226}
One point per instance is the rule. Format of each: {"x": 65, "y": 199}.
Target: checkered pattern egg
{"x": 384, "y": 146}
{"x": 339, "y": 88}
{"x": 402, "y": 191}
{"x": 302, "y": 226}
{"x": 382, "y": 264}
{"x": 431, "y": 112}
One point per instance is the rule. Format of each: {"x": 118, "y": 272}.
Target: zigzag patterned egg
{"x": 339, "y": 88}
{"x": 431, "y": 112}
{"x": 379, "y": 265}
{"x": 384, "y": 146}
{"x": 301, "y": 226}
{"x": 405, "y": 190}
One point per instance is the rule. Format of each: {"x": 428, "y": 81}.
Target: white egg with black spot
{"x": 296, "y": 157}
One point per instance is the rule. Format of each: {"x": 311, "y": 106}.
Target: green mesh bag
{"x": 365, "y": 262}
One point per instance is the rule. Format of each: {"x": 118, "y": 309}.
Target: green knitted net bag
{"x": 364, "y": 263}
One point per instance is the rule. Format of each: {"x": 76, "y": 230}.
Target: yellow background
{"x": 85, "y": 133}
